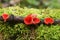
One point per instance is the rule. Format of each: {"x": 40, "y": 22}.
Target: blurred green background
{"x": 31, "y": 3}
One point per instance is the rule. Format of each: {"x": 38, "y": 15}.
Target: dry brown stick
{"x": 20, "y": 19}
{"x": 32, "y": 34}
{"x": 1, "y": 36}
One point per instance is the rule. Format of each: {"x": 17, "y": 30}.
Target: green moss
{"x": 21, "y": 31}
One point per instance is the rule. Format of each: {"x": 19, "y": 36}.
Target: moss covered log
{"x": 21, "y": 31}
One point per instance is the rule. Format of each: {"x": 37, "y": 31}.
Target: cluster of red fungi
{"x": 31, "y": 19}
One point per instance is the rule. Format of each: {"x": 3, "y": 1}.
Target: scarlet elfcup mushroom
{"x": 28, "y": 20}
{"x": 48, "y": 20}
{"x": 31, "y": 19}
{"x": 36, "y": 20}
{"x": 5, "y": 17}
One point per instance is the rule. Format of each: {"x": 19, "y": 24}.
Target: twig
{"x": 32, "y": 34}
